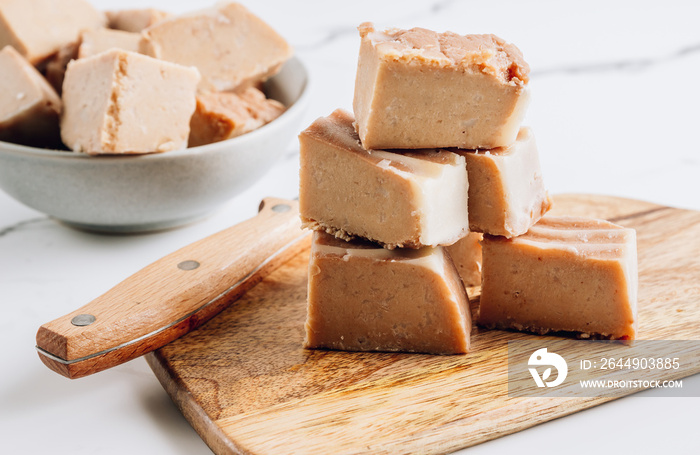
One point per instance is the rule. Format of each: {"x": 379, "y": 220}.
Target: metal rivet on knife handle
{"x": 281, "y": 208}
{"x": 82, "y": 320}
{"x": 188, "y": 265}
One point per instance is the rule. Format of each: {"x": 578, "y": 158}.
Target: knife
{"x": 174, "y": 295}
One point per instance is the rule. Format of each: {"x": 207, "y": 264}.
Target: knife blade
{"x": 173, "y": 295}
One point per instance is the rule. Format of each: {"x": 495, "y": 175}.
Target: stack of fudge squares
{"x": 432, "y": 172}
{"x": 133, "y": 81}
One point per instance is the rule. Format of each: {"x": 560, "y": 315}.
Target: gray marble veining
{"x": 691, "y": 50}
{"x": 22, "y": 225}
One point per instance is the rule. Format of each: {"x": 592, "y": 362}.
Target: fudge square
{"x": 366, "y": 298}
{"x": 417, "y": 89}
{"x": 90, "y": 42}
{"x": 506, "y": 189}
{"x": 224, "y": 115}
{"x": 466, "y": 255}
{"x": 228, "y": 44}
{"x": 411, "y": 200}
{"x": 120, "y": 102}
{"x": 39, "y": 28}
{"x": 566, "y": 274}
{"x": 29, "y": 106}
{"x": 96, "y": 41}
{"x": 55, "y": 66}
{"x": 135, "y": 20}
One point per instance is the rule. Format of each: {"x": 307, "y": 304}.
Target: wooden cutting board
{"x": 246, "y": 385}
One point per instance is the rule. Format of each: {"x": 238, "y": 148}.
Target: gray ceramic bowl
{"x": 159, "y": 191}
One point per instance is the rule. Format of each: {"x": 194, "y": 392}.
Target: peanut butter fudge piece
{"x": 29, "y": 106}
{"x": 39, "y": 28}
{"x": 565, "y": 274}
{"x": 135, "y": 20}
{"x": 55, "y": 66}
{"x": 120, "y": 102}
{"x": 228, "y": 44}
{"x": 90, "y": 42}
{"x": 93, "y": 42}
{"x": 417, "y": 88}
{"x": 506, "y": 189}
{"x": 224, "y": 115}
{"x": 410, "y": 200}
{"x": 366, "y": 298}
{"x": 466, "y": 255}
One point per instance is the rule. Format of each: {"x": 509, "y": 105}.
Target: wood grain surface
{"x": 247, "y": 386}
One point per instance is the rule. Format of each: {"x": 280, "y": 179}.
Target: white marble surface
{"x": 615, "y": 111}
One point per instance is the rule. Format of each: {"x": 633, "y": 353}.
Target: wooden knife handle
{"x": 173, "y": 295}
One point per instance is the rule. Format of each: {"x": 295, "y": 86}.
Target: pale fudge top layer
{"x": 586, "y": 237}
{"x": 489, "y": 53}
{"x": 329, "y": 245}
